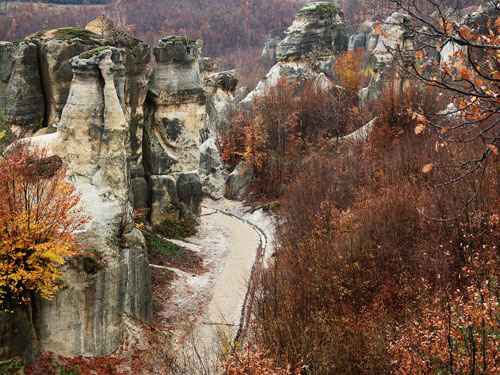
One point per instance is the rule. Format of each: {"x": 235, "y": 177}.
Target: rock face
{"x": 85, "y": 318}
{"x": 364, "y": 37}
{"x": 393, "y": 36}
{"x": 211, "y": 170}
{"x": 219, "y": 90}
{"x": 21, "y": 97}
{"x": 17, "y": 339}
{"x": 317, "y": 35}
{"x": 136, "y": 56}
{"x": 175, "y": 114}
{"x": 268, "y": 56}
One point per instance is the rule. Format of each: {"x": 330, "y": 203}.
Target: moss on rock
{"x": 318, "y": 9}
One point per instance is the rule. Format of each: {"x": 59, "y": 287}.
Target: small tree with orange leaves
{"x": 38, "y": 214}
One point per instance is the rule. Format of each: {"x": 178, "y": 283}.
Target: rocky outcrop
{"x": 175, "y": 114}
{"x": 318, "y": 30}
{"x": 86, "y": 316}
{"x": 364, "y": 37}
{"x": 55, "y": 49}
{"x": 395, "y": 42}
{"x": 21, "y": 97}
{"x": 312, "y": 42}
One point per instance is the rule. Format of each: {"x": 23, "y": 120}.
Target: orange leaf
{"x": 419, "y": 128}
{"x": 493, "y": 149}
{"x": 427, "y": 168}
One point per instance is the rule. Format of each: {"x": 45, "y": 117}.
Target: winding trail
{"x": 232, "y": 248}
{"x": 227, "y": 308}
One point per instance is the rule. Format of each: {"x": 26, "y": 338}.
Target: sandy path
{"x": 229, "y": 245}
{"x": 225, "y": 308}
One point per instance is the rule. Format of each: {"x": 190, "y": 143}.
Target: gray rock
{"x": 140, "y": 192}
{"x": 86, "y": 316}
{"x": 138, "y": 295}
{"x": 239, "y": 181}
{"x": 189, "y": 191}
{"x": 211, "y": 175}
{"x": 318, "y": 30}
{"x": 364, "y": 37}
{"x": 21, "y": 96}
{"x": 163, "y": 195}
{"x": 268, "y": 56}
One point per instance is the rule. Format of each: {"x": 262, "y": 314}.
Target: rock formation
{"x": 312, "y": 42}
{"x": 364, "y": 37}
{"x": 86, "y": 316}
{"x": 21, "y": 97}
{"x": 268, "y": 56}
{"x": 175, "y": 114}
{"x": 394, "y": 36}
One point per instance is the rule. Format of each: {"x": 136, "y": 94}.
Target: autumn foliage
{"x": 38, "y": 214}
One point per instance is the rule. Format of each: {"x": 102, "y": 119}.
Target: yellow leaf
{"x": 427, "y": 168}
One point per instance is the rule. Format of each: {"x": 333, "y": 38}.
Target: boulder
{"x": 189, "y": 191}
{"x": 21, "y": 97}
{"x": 164, "y": 199}
{"x": 239, "y": 181}
{"x": 211, "y": 171}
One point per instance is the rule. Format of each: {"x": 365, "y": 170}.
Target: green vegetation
{"x": 37, "y": 35}
{"x": 178, "y": 229}
{"x": 67, "y": 33}
{"x": 71, "y": 371}
{"x": 93, "y": 52}
{"x": 319, "y": 9}
{"x": 163, "y": 246}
